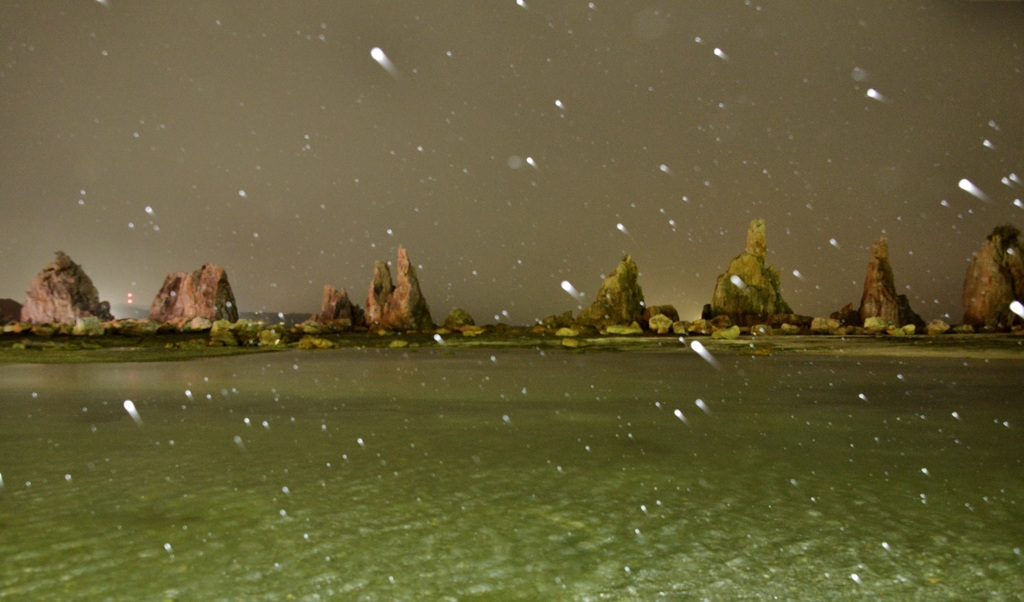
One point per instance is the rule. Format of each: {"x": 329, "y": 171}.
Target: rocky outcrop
{"x": 458, "y": 319}
{"x": 995, "y": 278}
{"x": 397, "y": 307}
{"x": 205, "y": 293}
{"x": 749, "y": 291}
{"x": 63, "y": 292}
{"x": 337, "y": 307}
{"x": 10, "y": 311}
{"x": 880, "y": 299}
{"x": 620, "y": 301}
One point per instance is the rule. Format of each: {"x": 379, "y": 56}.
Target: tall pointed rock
{"x": 398, "y": 306}
{"x": 749, "y": 291}
{"x": 995, "y": 278}
{"x": 620, "y": 301}
{"x": 880, "y": 299}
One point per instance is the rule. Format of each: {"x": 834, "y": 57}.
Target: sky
{"x": 503, "y": 144}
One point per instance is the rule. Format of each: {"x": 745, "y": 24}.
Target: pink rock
{"x": 995, "y": 277}
{"x": 337, "y": 306}
{"x": 879, "y": 298}
{"x": 62, "y": 292}
{"x": 205, "y": 293}
{"x": 400, "y": 306}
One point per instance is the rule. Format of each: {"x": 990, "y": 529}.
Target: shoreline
{"x": 25, "y": 348}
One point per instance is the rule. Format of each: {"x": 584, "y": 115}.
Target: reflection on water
{"x": 512, "y": 475}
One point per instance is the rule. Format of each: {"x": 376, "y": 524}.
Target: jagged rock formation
{"x": 205, "y": 293}
{"x": 10, "y": 311}
{"x": 749, "y": 290}
{"x": 669, "y": 311}
{"x": 879, "y": 298}
{"x": 337, "y": 307}
{"x": 620, "y": 301}
{"x": 995, "y": 278}
{"x": 63, "y": 292}
{"x": 400, "y": 306}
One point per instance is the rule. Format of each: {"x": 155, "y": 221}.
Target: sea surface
{"x": 475, "y": 474}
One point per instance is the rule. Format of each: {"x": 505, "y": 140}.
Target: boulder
{"x": 668, "y": 311}
{"x": 847, "y": 316}
{"x": 876, "y": 324}
{"x": 567, "y": 332}
{"x": 680, "y": 327}
{"x": 728, "y": 334}
{"x": 136, "y": 328}
{"x": 622, "y": 329}
{"x": 790, "y": 329}
{"x": 699, "y": 327}
{"x": 399, "y": 307}
{"x": 995, "y": 278}
{"x": 199, "y": 323}
{"x": 311, "y": 342}
{"x": 458, "y": 318}
{"x": 660, "y": 323}
{"x": 336, "y": 307}
{"x": 63, "y": 292}
{"x": 962, "y": 329}
{"x": 10, "y": 311}
{"x": 619, "y": 302}
{"x": 88, "y": 326}
{"x": 204, "y": 293}
{"x": 824, "y": 325}
{"x": 221, "y": 335}
{"x": 937, "y": 327}
{"x": 270, "y": 337}
{"x": 749, "y": 291}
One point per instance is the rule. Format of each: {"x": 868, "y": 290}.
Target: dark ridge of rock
{"x": 995, "y": 278}
{"x": 336, "y": 306}
{"x": 749, "y": 290}
{"x": 458, "y": 318}
{"x": 397, "y": 307}
{"x": 205, "y": 293}
{"x": 847, "y": 316}
{"x": 63, "y": 292}
{"x": 619, "y": 302}
{"x": 907, "y": 316}
{"x": 10, "y": 311}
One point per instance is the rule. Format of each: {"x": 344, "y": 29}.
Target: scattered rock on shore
{"x": 995, "y": 277}
{"x": 619, "y": 302}
{"x": 62, "y": 292}
{"x": 749, "y": 291}
{"x": 937, "y": 327}
{"x": 661, "y": 324}
{"x": 204, "y": 293}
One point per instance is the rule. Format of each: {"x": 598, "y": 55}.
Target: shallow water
{"x": 512, "y": 475}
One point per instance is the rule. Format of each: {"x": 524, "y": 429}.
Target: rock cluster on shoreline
{"x": 747, "y": 300}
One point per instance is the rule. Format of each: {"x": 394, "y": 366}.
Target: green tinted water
{"x": 387, "y": 475}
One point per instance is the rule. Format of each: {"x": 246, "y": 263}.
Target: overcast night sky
{"x": 265, "y": 138}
